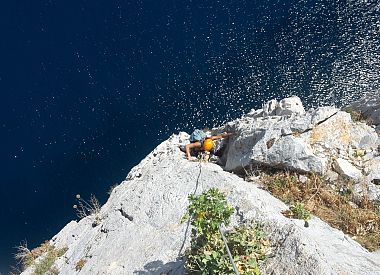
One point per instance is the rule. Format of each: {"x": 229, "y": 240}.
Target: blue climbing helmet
{"x": 197, "y": 135}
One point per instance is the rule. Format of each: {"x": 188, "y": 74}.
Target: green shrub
{"x": 45, "y": 265}
{"x": 299, "y": 211}
{"x": 207, "y": 253}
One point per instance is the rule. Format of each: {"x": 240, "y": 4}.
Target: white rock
{"x": 346, "y": 169}
{"x": 332, "y": 176}
{"x": 269, "y": 108}
{"x": 289, "y": 106}
{"x": 306, "y": 142}
{"x": 141, "y": 233}
{"x": 372, "y": 169}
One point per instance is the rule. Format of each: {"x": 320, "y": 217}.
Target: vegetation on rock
{"x": 333, "y": 203}
{"x": 42, "y": 258}
{"x": 207, "y": 253}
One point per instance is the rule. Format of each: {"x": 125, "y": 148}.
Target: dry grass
{"x": 360, "y": 220}
{"x": 26, "y": 257}
{"x": 88, "y": 208}
{"x": 80, "y": 264}
{"x": 46, "y": 251}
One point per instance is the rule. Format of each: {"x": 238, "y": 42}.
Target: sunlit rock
{"x": 346, "y": 169}
{"x": 289, "y": 106}
{"x": 284, "y": 107}
{"x": 140, "y": 230}
{"x": 372, "y": 170}
{"x": 307, "y": 142}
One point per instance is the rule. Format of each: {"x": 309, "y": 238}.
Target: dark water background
{"x": 88, "y": 88}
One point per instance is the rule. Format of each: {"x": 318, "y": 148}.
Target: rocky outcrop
{"x": 318, "y": 141}
{"x": 138, "y": 230}
{"x": 152, "y": 240}
{"x": 369, "y": 106}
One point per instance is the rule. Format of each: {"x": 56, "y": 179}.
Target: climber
{"x": 199, "y": 142}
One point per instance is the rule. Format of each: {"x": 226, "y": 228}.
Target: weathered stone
{"x": 156, "y": 196}
{"x": 332, "y": 176}
{"x": 372, "y": 169}
{"x": 139, "y": 231}
{"x": 293, "y": 152}
{"x": 285, "y": 107}
{"x": 369, "y": 106}
{"x": 373, "y": 191}
{"x": 346, "y": 169}
{"x": 269, "y": 108}
{"x": 289, "y": 106}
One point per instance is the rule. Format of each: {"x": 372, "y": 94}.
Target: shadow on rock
{"x": 158, "y": 267}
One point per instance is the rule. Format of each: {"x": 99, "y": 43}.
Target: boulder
{"x": 347, "y": 170}
{"x": 289, "y": 106}
{"x": 285, "y": 107}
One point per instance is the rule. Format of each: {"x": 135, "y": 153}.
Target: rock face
{"x": 318, "y": 141}
{"x": 369, "y": 106}
{"x": 140, "y": 231}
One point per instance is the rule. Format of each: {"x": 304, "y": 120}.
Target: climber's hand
{"x": 192, "y": 159}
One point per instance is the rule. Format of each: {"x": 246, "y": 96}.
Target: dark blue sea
{"x": 88, "y": 88}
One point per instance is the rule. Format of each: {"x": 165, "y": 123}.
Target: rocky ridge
{"x": 139, "y": 229}
{"x": 324, "y": 140}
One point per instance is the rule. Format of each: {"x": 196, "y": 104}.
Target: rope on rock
{"x": 228, "y": 250}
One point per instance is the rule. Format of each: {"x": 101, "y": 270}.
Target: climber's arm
{"x": 190, "y": 146}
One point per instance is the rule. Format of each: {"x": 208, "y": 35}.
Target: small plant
{"x": 45, "y": 265}
{"x": 358, "y": 153}
{"x": 208, "y": 211}
{"x": 80, "y": 264}
{"x": 298, "y": 211}
{"x": 207, "y": 254}
{"x": 24, "y": 256}
{"x": 85, "y": 209}
{"x": 46, "y": 253}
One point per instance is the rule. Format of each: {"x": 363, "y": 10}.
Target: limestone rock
{"x": 369, "y": 105}
{"x": 270, "y": 107}
{"x": 289, "y": 106}
{"x": 285, "y": 107}
{"x": 346, "y": 169}
{"x": 305, "y": 142}
{"x": 156, "y": 193}
{"x": 140, "y": 230}
{"x": 372, "y": 169}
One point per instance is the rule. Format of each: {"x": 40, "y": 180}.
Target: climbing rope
{"x": 228, "y": 250}
{"x": 205, "y": 158}
{"x": 201, "y": 159}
